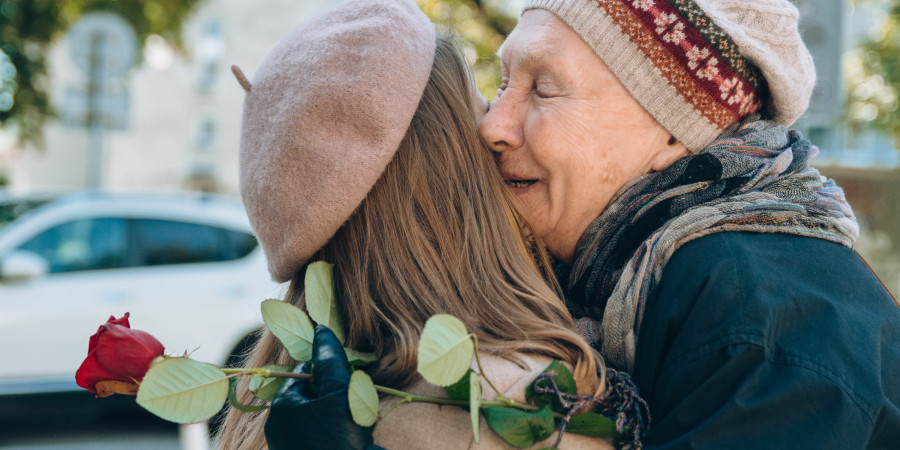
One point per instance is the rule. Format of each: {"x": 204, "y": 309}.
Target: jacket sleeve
{"x": 746, "y": 344}
{"x": 737, "y": 394}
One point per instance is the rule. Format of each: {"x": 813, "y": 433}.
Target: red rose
{"x": 117, "y": 358}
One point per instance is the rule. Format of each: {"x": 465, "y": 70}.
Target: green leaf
{"x": 474, "y": 401}
{"x": 359, "y": 358}
{"x": 591, "y": 424}
{"x": 445, "y": 350}
{"x": 468, "y": 388}
{"x": 520, "y": 428}
{"x": 320, "y": 301}
{"x": 564, "y": 381}
{"x": 267, "y": 387}
{"x": 460, "y": 389}
{"x": 363, "y": 399}
{"x": 291, "y": 326}
{"x": 183, "y": 390}
{"x": 235, "y": 403}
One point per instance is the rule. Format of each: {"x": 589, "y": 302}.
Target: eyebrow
{"x": 530, "y": 59}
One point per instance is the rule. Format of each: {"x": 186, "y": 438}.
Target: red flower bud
{"x": 117, "y": 353}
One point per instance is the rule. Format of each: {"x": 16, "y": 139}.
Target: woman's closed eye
{"x": 542, "y": 90}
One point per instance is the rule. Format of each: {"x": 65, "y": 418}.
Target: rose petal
{"x": 92, "y": 343}
{"x": 127, "y": 352}
{"x": 91, "y": 372}
{"x": 120, "y": 321}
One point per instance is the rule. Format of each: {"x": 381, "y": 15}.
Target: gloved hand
{"x": 316, "y": 415}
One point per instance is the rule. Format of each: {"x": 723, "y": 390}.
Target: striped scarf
{"x": 755, "y": 178}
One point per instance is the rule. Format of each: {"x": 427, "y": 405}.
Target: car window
{"x": 85, "y": 244}
{"x": 241, "y": 243}
{"x": 159, "y": 242}
{"x": 11, "y": 209}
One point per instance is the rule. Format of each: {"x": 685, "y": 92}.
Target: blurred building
{"x": 182, "y": 124}
{"x": 865, "y": 163}
{"x": 183, "y": 115}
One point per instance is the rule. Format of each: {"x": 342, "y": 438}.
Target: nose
{"x": 502, "y": 127}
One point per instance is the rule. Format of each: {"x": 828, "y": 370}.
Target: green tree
{"x": 29, "y": 27}
{"x": 483, "y": 26}
{"x": 873, "y": 75}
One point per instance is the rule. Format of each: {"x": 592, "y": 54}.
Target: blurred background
{"x": 119, "y": 126}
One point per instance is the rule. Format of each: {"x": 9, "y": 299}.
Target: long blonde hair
{"x": 437, "y": 234}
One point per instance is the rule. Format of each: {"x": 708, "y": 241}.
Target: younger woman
{"x": 360, "y": 148}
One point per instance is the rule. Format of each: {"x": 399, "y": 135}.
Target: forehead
{"x": 538, "y": 36}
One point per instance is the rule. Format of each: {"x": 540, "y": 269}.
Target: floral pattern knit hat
{"x": 699, "y": 66}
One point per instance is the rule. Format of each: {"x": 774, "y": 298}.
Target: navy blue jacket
{"x": 768, "y": 341}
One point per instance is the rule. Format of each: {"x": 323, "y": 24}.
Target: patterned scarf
{"x": 755, "y": 177}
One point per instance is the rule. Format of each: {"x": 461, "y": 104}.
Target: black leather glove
{"x": 316, "y": 415}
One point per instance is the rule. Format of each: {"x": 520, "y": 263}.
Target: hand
{"x": 316, "y": 415}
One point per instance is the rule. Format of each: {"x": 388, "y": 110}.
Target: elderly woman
{"x": 648, "y": 141}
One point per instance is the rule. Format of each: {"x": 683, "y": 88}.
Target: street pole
{"x": 95, "y": 111}
{"x": 103, "y": 47}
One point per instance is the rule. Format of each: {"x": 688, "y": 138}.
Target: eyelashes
{"x": 536, "y": 89}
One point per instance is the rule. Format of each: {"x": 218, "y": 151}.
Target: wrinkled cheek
{"x": 590, "y": 166}
{"x": 537, "y": 207}
{"x": 608, "y": 174}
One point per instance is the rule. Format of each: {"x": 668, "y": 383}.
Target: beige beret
{"x": 323, "y": 116}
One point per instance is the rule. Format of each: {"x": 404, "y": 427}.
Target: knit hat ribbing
{"x": 698, "y": 66}
{"x": 323, "y": 117}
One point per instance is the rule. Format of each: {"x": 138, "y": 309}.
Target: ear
{"x": 669, "y": 153}
{"x": 241, "y": 79}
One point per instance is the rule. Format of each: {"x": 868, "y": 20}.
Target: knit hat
{"x": 698, "y": 66}
{"x": 323, "y": 116}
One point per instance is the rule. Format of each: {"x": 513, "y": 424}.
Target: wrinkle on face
{"x": 563, "y": 118}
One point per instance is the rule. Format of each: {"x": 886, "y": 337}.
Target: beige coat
{"x": 429, "y": 426}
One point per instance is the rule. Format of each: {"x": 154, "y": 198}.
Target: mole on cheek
{"x": 609, "y": 173}
{"x": 607, "y": 176}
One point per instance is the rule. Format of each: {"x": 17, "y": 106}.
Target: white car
{"x": 13, "y": 205}
{"x": 186, "y": 267}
